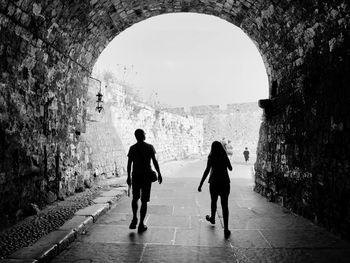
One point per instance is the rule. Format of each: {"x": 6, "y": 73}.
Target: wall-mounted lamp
{"x": 99, "y": 96}
{"x": 99, "y": 101}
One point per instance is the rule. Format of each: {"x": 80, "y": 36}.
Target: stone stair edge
{"x": 47, "y": 254}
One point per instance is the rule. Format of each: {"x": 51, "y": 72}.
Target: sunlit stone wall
{"x": 110, "y": 134}
{"x": 239, "y": 123}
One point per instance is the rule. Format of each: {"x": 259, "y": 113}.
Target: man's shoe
{"x": 209, "y": 219}
{"x": 227, "y": 233}
{"x": 142, "y": 228}
{"x": 133, "y": 224}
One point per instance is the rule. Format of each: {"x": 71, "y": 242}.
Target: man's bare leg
{"x": 143, "y": 212}
{"x": 134, "y": 207}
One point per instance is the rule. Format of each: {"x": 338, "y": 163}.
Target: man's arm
{"x": 156, "y": 166}
{"x": 128, "y": 180}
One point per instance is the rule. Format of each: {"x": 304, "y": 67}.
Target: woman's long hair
{"x": 217, "y": 151}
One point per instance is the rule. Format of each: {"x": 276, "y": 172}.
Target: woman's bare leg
{"x": 225, "y": 212}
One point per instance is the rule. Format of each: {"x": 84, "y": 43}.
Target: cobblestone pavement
{"x": 28, "y": 231}
{"x": 178, "y": 232}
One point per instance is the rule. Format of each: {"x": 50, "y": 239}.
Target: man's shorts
{"x": 141, "y": 190}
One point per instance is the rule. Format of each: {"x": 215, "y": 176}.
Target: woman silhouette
{"x": 219, "y": 182}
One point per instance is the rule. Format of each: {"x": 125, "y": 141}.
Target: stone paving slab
{"x": 266, "y": 223}
{"x": 174, "y": 184}
{"x": 94, "y": 210}
{"x": 174, "y": 201}
{"x": 114, "y": 192}
{"x": 105, "y": 200}
{"x": 18, "y": 261}
{"x": 46, "y": 247}
{"x": 286, "y": 222}
{"x": 122, "y": 234}
{"x": 185, "y": 254}
{"x": 248, "y": 239}
{"x": 78, "y": 223}
{"x": 284, "y": 255}
{"x": 123, "y": 206}
{"x": 200, "y": 222}
{"x": 329, "y": 255}
{"x": 261, "y": 231}
{"x": 303, "y": 238}
{"x": 208, "y": 236}
{"x": 274, "y": 255}
{"x": 169, "y": 221}
{"x": 176, "y": 194}
{"x": 268, "y": 210}
{"x": 122, "y": 219}
{"x": 167, "y": 190}
{"x": 159, "y": 209}
{"x": 101, "y": 253}
{"x": 186, "y": 210}
{"x": 243, "y": 213}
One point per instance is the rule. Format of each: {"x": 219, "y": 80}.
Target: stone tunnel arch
{"x": 229, "y": 121}
{"x": 48, "y": 48}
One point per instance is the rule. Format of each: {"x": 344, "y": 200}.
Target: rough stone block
{"x": 77, "y": 223}
{"x": 18, "y": 260}
{"x": 66, "y": 240}
{"x": 95, "y": 211}
{"x": 45, "y": 248}
{"x": 104, "y": 200}
{"x": 114, "y": 192}
{"x": 89, "y": 221}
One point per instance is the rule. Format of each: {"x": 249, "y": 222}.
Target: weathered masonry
{"x": 48, "y": 48}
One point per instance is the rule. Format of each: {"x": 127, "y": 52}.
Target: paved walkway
{"x": 261, "y": 231}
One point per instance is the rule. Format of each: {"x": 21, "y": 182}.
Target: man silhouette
{"x": 139, "y": 157}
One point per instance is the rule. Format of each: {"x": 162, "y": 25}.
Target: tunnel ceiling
{"x": 284, "y": 31}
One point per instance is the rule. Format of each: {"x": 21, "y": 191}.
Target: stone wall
{"x": 42, "y": 96}
{"x": 238, "y": 123}
{"x": 106, "y": 154}
{"x": 303, "y": 160}
{"x": 178, "y": 111}
{"x": 110, "y": 134}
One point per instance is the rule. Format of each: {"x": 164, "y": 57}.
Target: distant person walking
{"x": 223, "y": 142}
{"x": 246, "y": 154}
{"x": 229, "y": 148}
{"x": 219, "y": 182}
{"x": 139, "y": 157}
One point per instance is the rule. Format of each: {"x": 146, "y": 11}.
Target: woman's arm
{"x": 229, "y": 166}
{"x": 205, "y": 175}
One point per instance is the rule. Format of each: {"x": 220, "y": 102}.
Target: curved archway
{"x": 48, "y": 49}
{"x": 188, "y": 59}
{"x": 183, "y": 63}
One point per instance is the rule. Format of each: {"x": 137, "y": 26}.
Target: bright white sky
{"x": 188, "y": 59}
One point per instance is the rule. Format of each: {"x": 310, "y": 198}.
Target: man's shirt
{"x": 141, "y": 154}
